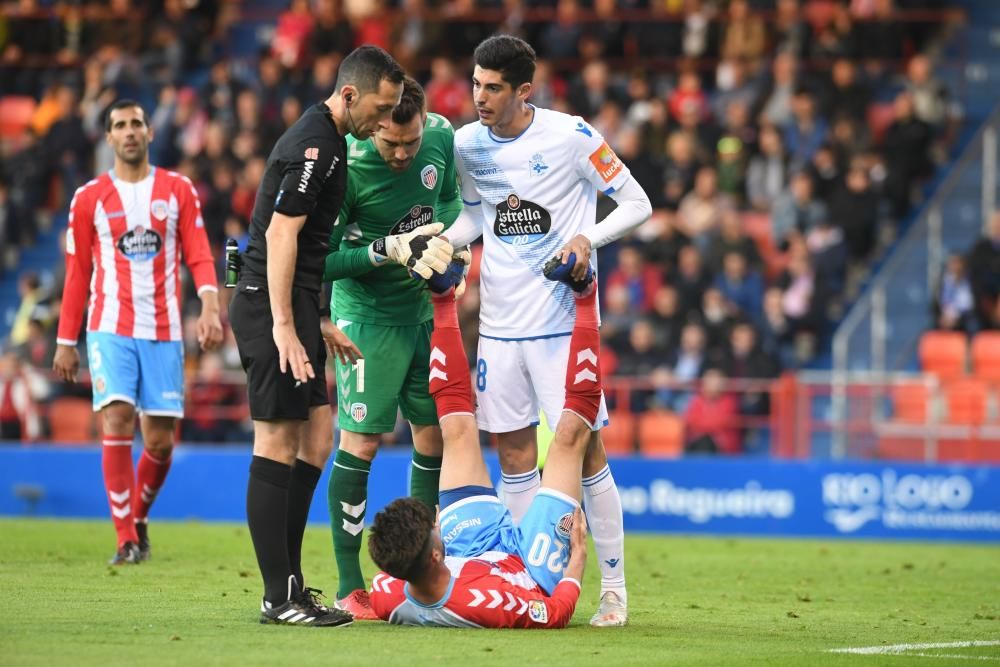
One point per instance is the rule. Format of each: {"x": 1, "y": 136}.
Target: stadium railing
{"x": 882, "y": 329}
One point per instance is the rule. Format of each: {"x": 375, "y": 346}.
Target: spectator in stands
{"x": 826, "y": 246}
{"x": 591, "y": 89}
{"x": 39, "y": 347}
{"x": 777, "y": 331}
{"x": 561, "y": 37}
{"x": 688, "y": 96}
{"x": 744, "y": 36}
{"x": 776, "y": 100}
{"x": 292, "y": 35}
{"x": 700, "y": 212}
{"x": 640, "y": 279}
{"x": 731, "y": 164}
{"x": 712, "y": 419}
{"x": 854, "y": 209}
{"x": 836, "y": 37}
{"x": 954, "y": 307}
{"x": 218, "y": 94}
{"x": 20, "y": 389}
{"x": 806, "y": 130}
{"x": 447, "y": 93}
{"x": 322, "y": 77}
{"x": 716, "y": 318}
{"x": 681, "y": 168}
{"x": 881, "y": 37}
{"x": 746, "y": 359}
{"x": 907, "y": 153}
{"x": 732, "y": 238}
{"x": 790, "y": 34}
{"x": 825, "y": 172}
{"x": 796, "y": 211}
{"x": 931, "y": 99}
{"x": 700, "y": 36}
{"x": 617, "y": 317}
{"x": 639, "y": 360}
{"x": 845, "y": 95}
{"x": 663, "y": 250}
{"x": 800, "y": 297}
{"x": 646, "y": 169}
{"x": 984, "y": 266}
{"x": 767, "y": 170}
{"x": 742, "y": 288}
{"x": 684, "y": 365}
{"x": 331, "y": 32}
{"x": 32, "y": 40}
{"x": 29, "y": 289}
{"x": 655, "y": 133}
{"x": 691, "y": 279}
{"x": 666, "y": 318}
{"x": 213, "y": 404}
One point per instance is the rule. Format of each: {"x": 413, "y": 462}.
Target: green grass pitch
{"x": 693, "y": 601}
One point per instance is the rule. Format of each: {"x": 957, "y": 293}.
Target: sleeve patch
{"x": 607, "y": 164}
{"x": 70, "y": 242}
{"x": 538, "y": 612}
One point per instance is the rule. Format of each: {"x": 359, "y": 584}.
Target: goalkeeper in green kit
{"x": 399, "y": 182}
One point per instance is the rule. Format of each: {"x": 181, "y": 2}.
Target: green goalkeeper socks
{"x": 348, "y": 496}
{"x": 425, "y": 472}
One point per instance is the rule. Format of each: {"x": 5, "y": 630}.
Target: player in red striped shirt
{"x": 474, "y": 567}
{"x": 128, "y": 231}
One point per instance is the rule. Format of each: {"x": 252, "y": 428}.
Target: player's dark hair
{"x": 399, "y": 540}
{"x": 511, "y": 56}
{"x": 123, "y": 104}
{"x": 412, "y": 103}
{"x": 365, "y": 67}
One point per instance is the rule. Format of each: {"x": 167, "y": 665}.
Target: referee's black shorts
{"x": 273, "y": 394}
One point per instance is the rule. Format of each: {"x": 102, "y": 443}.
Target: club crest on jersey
{"x": 537, "y": 611}
{"x": 99, "y": 384}
{"x": 359, "y": 411}
{"x": 140, "y": 244}
{"x": 564, "y": 525}
{"x": 417, "y": 216}
{"x": 520, "y": 222}
{"x": 429, "y": 176}
{"x": 159, "y": 209}
{"x": 537, "y": 165}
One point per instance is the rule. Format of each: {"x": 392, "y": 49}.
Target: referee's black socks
{"x": 267, "y": 517}
{"x": 300, "y": 492}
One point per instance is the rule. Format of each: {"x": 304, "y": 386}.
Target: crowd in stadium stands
{"x": 779, "y": 141}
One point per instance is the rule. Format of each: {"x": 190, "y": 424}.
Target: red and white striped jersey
{"x": 123, "y": 247}
{"x": 493, "y": 590}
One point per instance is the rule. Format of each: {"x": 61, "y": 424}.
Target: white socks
{"x": 517, "y": 492}
{"x": 603, "y": 507}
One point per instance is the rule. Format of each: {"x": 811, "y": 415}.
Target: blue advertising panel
{"x": 712, "y": 496}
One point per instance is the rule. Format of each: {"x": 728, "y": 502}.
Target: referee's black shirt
{"x": 306, "y": 174}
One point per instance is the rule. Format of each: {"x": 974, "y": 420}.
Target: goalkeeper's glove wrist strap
{"x": 377, "y": 252}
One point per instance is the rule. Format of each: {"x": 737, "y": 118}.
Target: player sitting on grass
{"x": 474, "y": 567}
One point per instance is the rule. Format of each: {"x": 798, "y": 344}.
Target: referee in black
{"x": 275, "y": 315}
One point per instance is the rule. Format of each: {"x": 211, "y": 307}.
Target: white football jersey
{"x": 536, "y": 192}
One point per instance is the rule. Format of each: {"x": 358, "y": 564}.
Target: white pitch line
{"x": 952, "y": 656}
{"x": 897, "y": 649}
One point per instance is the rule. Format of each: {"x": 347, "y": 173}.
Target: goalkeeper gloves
{"x": 454, "y": 275}
{"x": 421, "y": 250}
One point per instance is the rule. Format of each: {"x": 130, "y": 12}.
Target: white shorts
{"x": 516, "y": 379}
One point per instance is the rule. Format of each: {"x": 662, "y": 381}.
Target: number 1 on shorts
{"x": 359, "y": 377}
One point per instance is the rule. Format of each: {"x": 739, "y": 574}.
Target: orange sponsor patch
{"x": 606, "y": 162}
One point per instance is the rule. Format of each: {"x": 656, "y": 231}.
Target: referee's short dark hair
{"x": 365, "y": 67}
{"x": 123, "y": 104}
{"x": 412, "y": 103}
{"x": 511, "y": 56}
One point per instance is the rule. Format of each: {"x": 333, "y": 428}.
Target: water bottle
{"x": 232, "y": 262}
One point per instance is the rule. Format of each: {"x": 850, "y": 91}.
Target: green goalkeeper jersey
{"x": 380, "y": 202}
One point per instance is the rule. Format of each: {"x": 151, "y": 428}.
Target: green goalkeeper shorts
{"x": 392, "y": 376}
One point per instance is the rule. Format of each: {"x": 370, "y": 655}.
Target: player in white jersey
{"x": 530, "y": 179}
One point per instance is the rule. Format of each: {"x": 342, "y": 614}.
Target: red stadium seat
{"x": 619, "y": 434}
{"x": 910, "y": 402}
{"x": 15, "y": 115}
{"x": 661, "y": 434}
{"x": 966, "y": 402}
{"x": 943, "y": 353}
{"x": 72, "y": 421}
{"x": 986, "y": 356}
